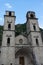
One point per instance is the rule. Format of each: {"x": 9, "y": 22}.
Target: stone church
{"x": 21, "y": 50}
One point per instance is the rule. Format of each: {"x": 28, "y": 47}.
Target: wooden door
{"x": 21, "y": 60}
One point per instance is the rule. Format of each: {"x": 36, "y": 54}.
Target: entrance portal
{"x": 21, "y": 60}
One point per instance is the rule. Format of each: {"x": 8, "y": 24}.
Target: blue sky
{"x": 21, "y": 7}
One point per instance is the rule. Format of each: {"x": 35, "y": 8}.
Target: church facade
{"x": 21, "y": 50}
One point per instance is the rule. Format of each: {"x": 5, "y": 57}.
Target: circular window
{"x": 21, "y": 41}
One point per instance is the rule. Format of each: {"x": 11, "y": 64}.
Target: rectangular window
{"x": 0, "y": 43}
{"x": 10, "y": 63}
{"x": 9, "y": 26}
{"x": 0, "y": 51}
{"x": 34, "y": 27}
{"x": 8, "y": 41}
{"x": 37, "y": 42}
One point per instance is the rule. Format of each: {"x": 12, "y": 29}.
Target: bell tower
{"x": 8, "y": 41}
{"x": 34, "y": 36}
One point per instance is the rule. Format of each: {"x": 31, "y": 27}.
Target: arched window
{"x": 34, "y": 27}
{"x": 31, "y": 15}
{"x": 9, "y": 26}
{"x": 37, "y": 42}
{"x": 8, "y": 41}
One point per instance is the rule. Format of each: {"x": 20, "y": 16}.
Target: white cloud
{"x": 8, "y": 5}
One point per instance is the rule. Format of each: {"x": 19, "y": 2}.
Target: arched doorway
{"x": 23, "y": 57}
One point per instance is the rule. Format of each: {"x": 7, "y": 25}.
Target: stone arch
{"x": 27, "y": 55}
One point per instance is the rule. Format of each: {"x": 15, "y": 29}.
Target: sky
{"x": 21, "y": 7}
